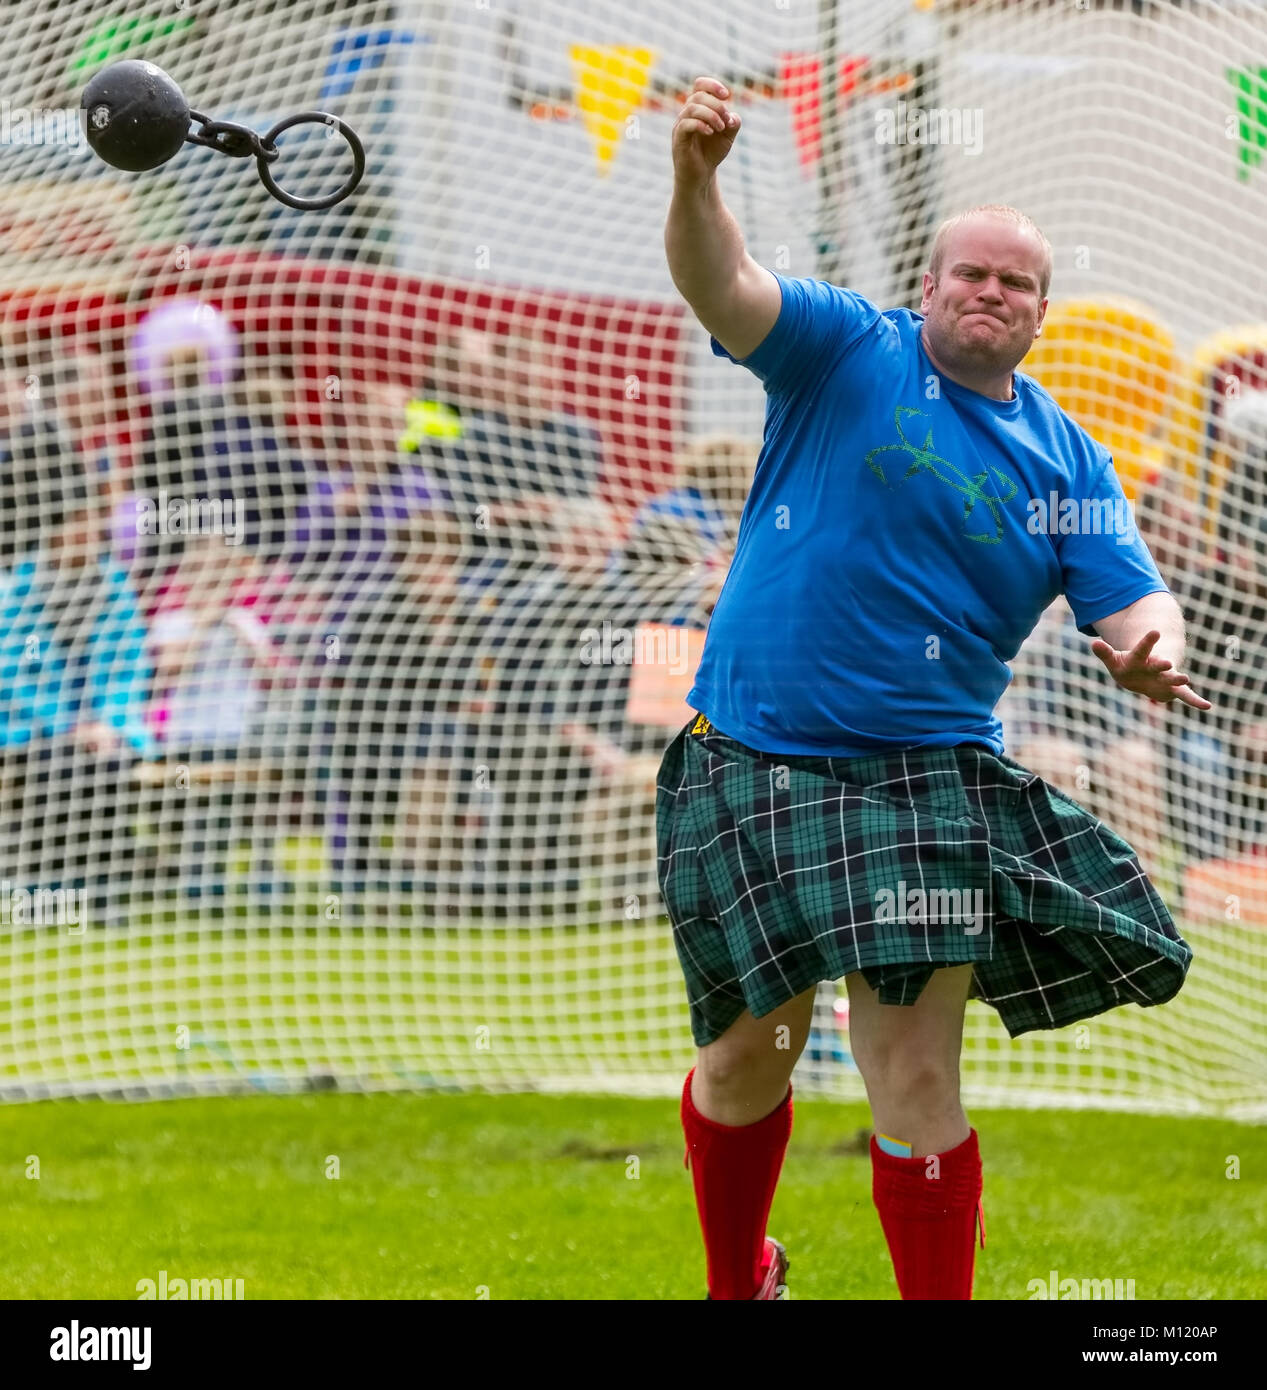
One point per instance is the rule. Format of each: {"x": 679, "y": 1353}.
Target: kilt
{"x": 779, "y": 871}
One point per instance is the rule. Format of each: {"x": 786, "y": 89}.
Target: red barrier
{"x": 621, "y": 363}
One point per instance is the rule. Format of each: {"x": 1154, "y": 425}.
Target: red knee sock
{"x": 735, "y": 1169}
{"x": 929, "y": 1213}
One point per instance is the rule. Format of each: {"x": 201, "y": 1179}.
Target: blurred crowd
{"x": 366, "y": 629}
{"x": 377, "y": 642}
{"x": 1170, "y": 778}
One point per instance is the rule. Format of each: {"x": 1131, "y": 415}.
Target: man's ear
{"x": 929, "y": 286}
{"x": 1042, "y": 314}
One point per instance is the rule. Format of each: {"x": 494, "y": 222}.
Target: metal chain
{"x": 237, "y": 141}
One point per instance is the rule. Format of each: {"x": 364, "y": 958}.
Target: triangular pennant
{"x": 610, "y": 82}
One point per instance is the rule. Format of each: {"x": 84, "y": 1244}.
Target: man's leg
{"x": 737, "y": 1118}
{"x": 925, "y": 1162}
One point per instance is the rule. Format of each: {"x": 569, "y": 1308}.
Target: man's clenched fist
{"x": 704, "y": 132}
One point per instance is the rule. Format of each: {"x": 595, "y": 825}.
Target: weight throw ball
{"x": 135, "y": 116}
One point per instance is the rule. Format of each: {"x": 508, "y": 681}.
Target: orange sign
{"x": 664, "y": 665}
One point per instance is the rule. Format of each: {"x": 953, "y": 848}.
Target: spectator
{"x": 408, "y": 714}
{"x": 1220, "y": 774}
{"x": 214, "y": 660}
{"x": 573, "y": 768}
{"x": 505, "y": 454}
{"x": 209, "y": 643}
{"x": 361, "y": 508}
{"x": 74, "y": 677}
{"x": 607, "y": 766}
{"x": 1171, "y": 527}
{"x": 366, "y": 493}
{"x": 712, "y": 479}
{"x": 678, "y": 558}
{"x": 204, "y": 442}
{"x": 1066, "y": 722}
{"x": 561, "y": 717}
{"x": 74, "y": 388}
{"x": 71, "y": 393}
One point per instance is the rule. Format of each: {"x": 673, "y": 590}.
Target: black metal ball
{"x": 135, "y": 116}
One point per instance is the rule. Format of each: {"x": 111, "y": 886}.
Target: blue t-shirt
{"x": 902, "y": 536}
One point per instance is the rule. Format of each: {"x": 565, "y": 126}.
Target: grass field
{"x": 530, "y": 1197}
{"x": 442, "y": 1194}
{"x": 275, "y": 1005}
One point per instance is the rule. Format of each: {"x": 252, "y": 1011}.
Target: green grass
{"x": 273, "y": 1003}
{"x": 530, "y": 1197}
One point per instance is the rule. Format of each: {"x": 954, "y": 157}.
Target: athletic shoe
{"x": 774, "y": 1282}
{"x": 773, "y": 1274}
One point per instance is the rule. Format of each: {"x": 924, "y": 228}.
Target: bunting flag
{"x": 610, "y": 83}
{"x": 356, "y": 51}
{"x": 800, "y": 78}
{"x": 1251, "y": 110}
{"x": 113, "y": 36}
{"x": 800, "y": 84}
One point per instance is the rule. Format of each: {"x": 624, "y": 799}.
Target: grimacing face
{"x": 985, "y": 310}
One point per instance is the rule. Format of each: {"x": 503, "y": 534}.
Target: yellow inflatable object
{"x": 1111, "y": 364}
{"x": 1219, "y": 364}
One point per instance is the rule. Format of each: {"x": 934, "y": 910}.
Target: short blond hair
{"x": 1008, "y": 214}
{"x": 719, "y": 465}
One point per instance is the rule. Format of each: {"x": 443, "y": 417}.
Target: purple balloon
{"x": 178, "y": 324}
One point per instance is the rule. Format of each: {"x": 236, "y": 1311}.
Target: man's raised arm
{"x": 736, "y": 299}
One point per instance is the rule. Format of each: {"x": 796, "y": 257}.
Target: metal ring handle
{"x": 311, "y": 204}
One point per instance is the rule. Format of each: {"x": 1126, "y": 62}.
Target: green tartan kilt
{"x": 778, "y": 872}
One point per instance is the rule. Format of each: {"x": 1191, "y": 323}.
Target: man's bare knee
{"x": 751, "y": 1047}
{"x": 919, "y": 1083}
{"x": 744, "y": 1074}
{"x": 732, "y": 1064}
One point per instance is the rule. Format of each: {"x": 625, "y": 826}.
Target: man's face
{"x": 985, "y": 311}
{"x": 502, "y": 374}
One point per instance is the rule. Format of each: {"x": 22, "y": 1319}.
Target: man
{"x": 506, "y": 457}
{"x": 1220, "y": 765}
{"x": 889, "y": 563}
{"x": 75, "y": 389}
{"x": 203, "y": 441}
{"x": 74, "y": 677}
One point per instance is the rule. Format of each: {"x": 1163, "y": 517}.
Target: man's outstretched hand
{"x": 1145, "y": 674}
